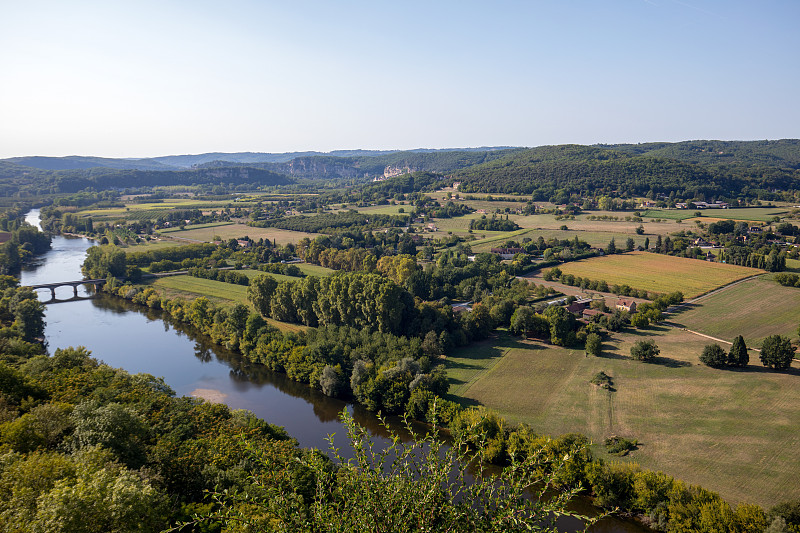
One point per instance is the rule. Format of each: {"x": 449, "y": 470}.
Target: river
{"x": 128, "y": 336}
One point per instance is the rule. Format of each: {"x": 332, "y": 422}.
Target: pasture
{"x": 190, "y": 287}
{"x": 658, "y": 273}
{"x": 730, "y": 431}
{"x": 218, "y": 292}
{"x": 195, "y": 226}
{"x": 755, "y": 309}
{"x": 237, "y": 231}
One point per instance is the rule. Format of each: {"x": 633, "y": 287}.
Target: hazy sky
{"x": 144, "y": 78}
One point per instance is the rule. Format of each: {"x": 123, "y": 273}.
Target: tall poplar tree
{"x": 738, "y": 355}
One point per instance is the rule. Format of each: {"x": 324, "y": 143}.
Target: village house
{"x": 626, "y": 305}
{"x": 507, "y": 253}
{"x": 589, "y": 314}
{"x": 577, "y": 307}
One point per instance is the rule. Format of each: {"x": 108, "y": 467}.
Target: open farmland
{"x": 595, "y": 232}
{"x": 741, "y": 310}
{"x": 730, "y": 431}
{"x": 762, "y": 214}
{"x": 237, "y": 231}
{"x": 658, "y": 273}
{"x": 218, "y": 292}
{"x": 191, "y": 287}
{"x": 195, "y": 226}
{"x": 151, "y": 210}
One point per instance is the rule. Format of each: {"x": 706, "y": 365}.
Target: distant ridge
{"x": 178, "y": 162}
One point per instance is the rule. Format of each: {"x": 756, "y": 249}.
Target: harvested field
{"x": 237, "y": 231}
{"x": 659, "y": 273}
{"x": 730, "y": 431}
{"x": 740, "y": 310}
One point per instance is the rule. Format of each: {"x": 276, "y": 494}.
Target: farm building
{"x": 507, "y": 253}
{"x": 626, "y": 305}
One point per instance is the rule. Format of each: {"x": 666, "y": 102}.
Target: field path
{"x": 678, "y": 326}
{"x": 710, "y": 293}
{"x": 693, "y": 301}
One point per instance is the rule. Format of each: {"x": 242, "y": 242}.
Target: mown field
{"x": 761, "y": 214}
{"x": 658, "y": 273}
{"x": 141, "y": 211}
{"x": 755, "y": 309}
{"x": 596, "y": 232}
{"x": 195, "y": 226}
{"x": 146, "y": 246}
{"x": 730, "y": 431}
{"x": 218, "y": 292}
{"x": 237, "y": 231}
{"x": 192, "y": 287}
{"x": 386, "y": 209}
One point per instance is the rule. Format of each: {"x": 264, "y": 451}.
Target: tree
{"x": 260, "y": 293}
{"x": 29, "y": 319}
{"x": 594, "y": 344}
{"x": 562, "y": 325}
{"x": 431, "y": 345}
{"x": 639, "y": 320}
{"x": 777, "y": 352}
{"x": 612, "y": 247}
{"x": 738, "y": 355}
{"x": 629, "y": 244}
{"x": 645, "y": 350}
{"x": 382, "y": 490}
{"x": 714, "y": 356}
{"x": 647, "y": 243}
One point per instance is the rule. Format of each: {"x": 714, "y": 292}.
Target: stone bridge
{"x": 74, "y": 284}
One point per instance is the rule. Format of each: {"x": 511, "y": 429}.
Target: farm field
{"x": 196, "y": 226}
{"x": 594, "y": 238}
{"x": 386, "y": 209}
{"x": 218, "y": 292}
{"x": 730, "y": 431}
{"x": 146, "y": 246}
{"x": 465, "y": 365}
{"x": 237, "y": 231}
{"x": 150, "y": 209}
{"x": 191, "y": 287}
{"x": 741, "y": 310}
{"x": 762, "y": 214}
{"x": 672, "y": 214}
{"x": 597, "y": 233}
{"x": 658, "y": 273}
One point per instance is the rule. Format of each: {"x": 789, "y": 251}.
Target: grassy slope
{"x": 755, "y": 309}
{"x": 733, "y": 432}
{"x": 659, "y": 273}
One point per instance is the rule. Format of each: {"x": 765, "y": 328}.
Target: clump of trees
{"x": 777, "y": 352}
{"x": 494, "y": 223}
{"x": 715, "y": 356}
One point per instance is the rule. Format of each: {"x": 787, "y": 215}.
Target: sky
{"x": 146, "y": 78}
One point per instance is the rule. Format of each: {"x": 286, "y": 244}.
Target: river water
{"x": 128, "y": 336}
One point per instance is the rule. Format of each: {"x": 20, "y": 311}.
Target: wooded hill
{"x": 15, "y": 178}
{"x": 691, "y": 169}
{"x": 50, "y": 175}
